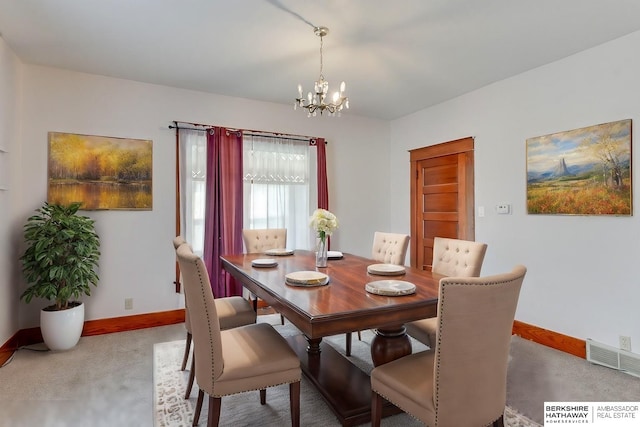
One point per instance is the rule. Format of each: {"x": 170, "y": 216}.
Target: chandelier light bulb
{"x": 316, "y": 101}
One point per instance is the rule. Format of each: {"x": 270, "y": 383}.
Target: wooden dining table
{"x": 341, "y": 306}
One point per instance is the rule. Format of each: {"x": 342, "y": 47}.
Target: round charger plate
{"x": 306, "y": 278}
{"x": 386, "y": 269}
{"x": 278, "y": 252}
{"x": 264, "y": 262}
{"x": 392, "y": 288}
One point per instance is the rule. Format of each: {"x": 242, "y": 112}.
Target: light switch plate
{"x": 503, "y": 208}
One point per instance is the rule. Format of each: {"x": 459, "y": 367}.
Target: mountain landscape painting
{"x": 584, "y": 171}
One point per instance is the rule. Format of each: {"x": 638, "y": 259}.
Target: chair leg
{"x": 282, "y": 319}
{"x": 376, "y": 409}
{"x": 192, "y": 376}
{"x": 196, "y": 412}
{"x": 499, "y": 422}
{"x": 294, "y": 401}
{"x": 186, "y": 352}
{"x": 263, "y": 396}
{"x": 359, "y": 336}
{"x": 214, "y": 411}
{"x": 348, "y": 344}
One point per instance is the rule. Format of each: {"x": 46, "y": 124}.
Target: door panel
{"x": 441, "y": 197}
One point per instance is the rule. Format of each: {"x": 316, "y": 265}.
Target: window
{"x": 193, "y": 165}
{"x": 280, "y": 188}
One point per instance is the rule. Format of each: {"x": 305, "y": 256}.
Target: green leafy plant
{"x": 61, "y": 256}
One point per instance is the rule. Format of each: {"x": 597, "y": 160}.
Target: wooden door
{"x": 442, "y": 197}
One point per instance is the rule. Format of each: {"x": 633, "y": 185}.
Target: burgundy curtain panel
{"x": 223, "y": 211}
{"x": 323, "y": 189}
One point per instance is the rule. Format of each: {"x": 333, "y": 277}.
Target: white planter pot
{"x": 61, "y": 330}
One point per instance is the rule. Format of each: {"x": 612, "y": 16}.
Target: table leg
{"x": 314, "y": 345}
{"x": 390, "y": 344}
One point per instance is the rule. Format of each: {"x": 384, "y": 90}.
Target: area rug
{"x": 172, "y": 410}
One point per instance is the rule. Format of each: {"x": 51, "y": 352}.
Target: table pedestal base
{"x": 390, "y": 344}
{"x": 344, "y": 386}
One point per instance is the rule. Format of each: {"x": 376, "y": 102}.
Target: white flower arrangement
{"x": 324, "y": 223}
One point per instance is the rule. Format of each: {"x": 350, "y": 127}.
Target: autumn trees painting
{"x": 101, "y": 172}
{"x": 584, "y": 171}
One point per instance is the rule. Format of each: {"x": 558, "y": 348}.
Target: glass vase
{"x": 321, "y": 253}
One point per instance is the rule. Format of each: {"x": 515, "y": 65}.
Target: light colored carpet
{"x": 172, "y": 410}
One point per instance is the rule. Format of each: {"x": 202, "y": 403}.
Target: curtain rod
{"x": 244, "y": 131}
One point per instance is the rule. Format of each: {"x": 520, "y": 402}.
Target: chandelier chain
{"x": 321, "y": 63}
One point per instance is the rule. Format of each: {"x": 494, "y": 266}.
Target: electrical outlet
{"x": 625, "y": 343}
{"x": 128, "y": 303}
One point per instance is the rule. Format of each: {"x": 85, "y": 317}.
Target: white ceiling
{"x": 396, "y": 57}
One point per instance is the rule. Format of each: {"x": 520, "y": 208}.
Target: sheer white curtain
{"x": 279, "y": 187}
{"x": 193, "y": 173}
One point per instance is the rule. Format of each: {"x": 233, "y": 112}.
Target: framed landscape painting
{"x": 100, "y": 172}
{"x": 584, "y": 171}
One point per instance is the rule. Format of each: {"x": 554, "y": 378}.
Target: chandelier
{"x": 317, "y": 100}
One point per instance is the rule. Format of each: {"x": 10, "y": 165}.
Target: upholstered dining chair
{"x": 232, "y": 312}
{"x": 237, "y": 360}
{"x": 451, "y": 257}
{"x": 462, "y": 381}
{"x": 260, "y": 240}
{"x": 388, "y": 248}
{"x": 177, "y": 242}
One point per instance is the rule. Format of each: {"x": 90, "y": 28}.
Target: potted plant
{"x": 59, "y": 265}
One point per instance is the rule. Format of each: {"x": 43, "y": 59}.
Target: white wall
{"x": 583, "y": 279}
{"x": 9, "y": 106}
{"x": 137, "y": 256}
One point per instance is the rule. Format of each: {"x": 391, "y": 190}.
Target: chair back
{"x": 459, "y": 258}
{"x": 475, "y": 320}
{"x": 205, "y": 325}
{"x": 177, "y": 242}
{"x": 260, "y": 240}
{"x": 389, "y": 248}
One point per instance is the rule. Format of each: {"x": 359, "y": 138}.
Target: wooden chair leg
{"x": 282, "y": 319}
{"x": 192, "y": 376}
{"x": 359, "y": 336}
{"x": 196, "y": 412}
{"x": 499, "y": 422}
{"x": 214, "y": 411}
{"x": 376, "y": 409}
{"x": 348, "y": 344}
{"x": 186, "y": 352}
{"x": 263, "y": 396}
{"x": 294, "y": 403}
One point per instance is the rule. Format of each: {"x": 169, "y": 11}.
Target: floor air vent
{"x": 612, "y": 357}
